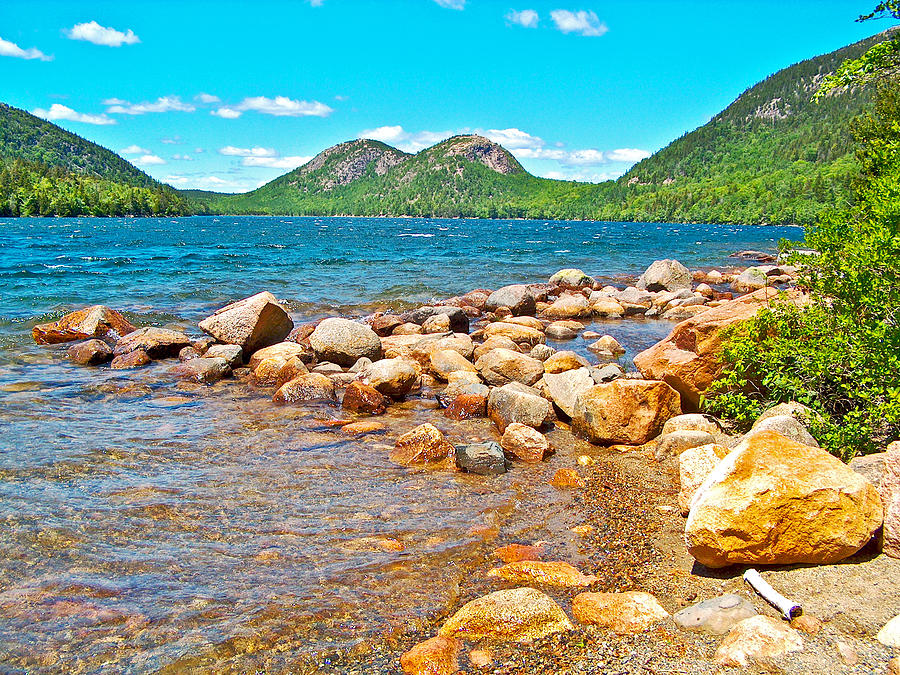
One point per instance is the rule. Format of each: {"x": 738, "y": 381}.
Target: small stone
{"x": 362, "y": 427}
{"x": 385, "y": 324}
{"x": 90, "y": 353}
{"x": 665, "y": 275}
{"x": 518, "y": 552}
{"x": 557, "y": 331}
{"x": 423, "y": 444}
{"x": 608, "y": 373}
{"x": 437, "y": 656}
{"x": 571, "y": 278}
{"x": 690, "y": 422}
{"x": 807, "y": 623}
{"x": 188, "y": 353}
{"x": 515, "y": 332}
{"x": 628, "y": 612}
{"x": 361, "y": 398}
{"x": 607, "y": 343}
{"x": 565, "y": 479}
{"x": 466, "y": 406}
{"x": 517, "y": 298}
{"x": 408, "y": 329}
{"x": 565, "y": 388}
{"x": 327, "y": 368}
{"x": 890, "y": 633}
{"x": 280, "y": 352}
{"x": 555, "y": 573}
{"x": 847, "y": 653}
{"x": 525, "y": 443}
{"x": 757, "y": 639}
{"x": 485, "y": 459}
{"x": 134, "y": 359}
{"x": 716, "y": 615}
{"x": 514, "y": 615}
{"x": 481, "y": 658}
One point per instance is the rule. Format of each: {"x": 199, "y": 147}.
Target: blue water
{"x": 149, "y": 523}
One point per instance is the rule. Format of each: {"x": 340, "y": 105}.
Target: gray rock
{"x": 486, "y": 459}
{"x": 327, "y": 368}
{"x": 565, "y": 387}
{"x": 541, "y": 352}
{"x": 206, "y": 370}
{"x": 716, "y": 615}
{"x": 360, "y": 365}
{"x": 188, "y": 353}
{"x": 517, "y": 297}
{"x": 786, "y": 426}
{"x": 607, "y": 373}
{"x": 344, "y": 342}
{"x": 635, "y": 296}
{"x": 90, "y": 353}
{"x": 691, "y": 422}
{"x": 252, "y": 323}
{"x": 791, "y": 409}
{"x": 500, "y": 366}
{"x": 516, "y": 402}
{"x": 234, "y": 354}
{"x": 665, "y": 275}
{"x": 557, "y": 332}
{"x": 676, "y": 442}
{"x": 751, "y": 279}
{"x": 459, "y": 320}
{"x": 392, "y": 377}
{"x": 870, "y": 466}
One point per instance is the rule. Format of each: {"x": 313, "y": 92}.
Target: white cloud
{"x": 8, "y": 48}
{"x": 149, "y": 159}
{"x": 452, "y": 4}
{"x": 627, "y": 155}
{"x": 588, "y": 156}
{"x": 280, "y": 106}
{"x": 196, "y": 182}
{"x": 207, "y": 98}
{"x": 513, "y": 139}
{"x": 248, "y": 152}
{"x": 316, "y": 3}
{"x": 527, "y": 18}
{"x": 404, "y": 140}
{"x": 58, "y": 111}
{"x": 100, "y": 35}
{"x": 276, "y": 162}
{"x": 171, "y": 141}
{"x": 540, "y": 153}
{"x": 134, "y": 150}
{"x": 183, "y": 158}
{"x": 583, "y": 176}
{"x": 160, "y": 105}
{"x": 581, "y": 22}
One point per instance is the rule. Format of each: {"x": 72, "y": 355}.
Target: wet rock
{"x": 515, "y": 332}
{"x": 606, "y": 307}
{"x": 716, "y": 615}
{"x": 289, "y": 370}
{"x": 385, "y": 324}
{"x": 421, "y": 351}
{"x": 159, "y": 343}
{"x": 392, "y": 377}
{"x": 361, "y": 398}
{"x": 528, "y": 321}
{"x": 690, "y": 358}
{"x": 188, "y": 353}
{"x": 607, "y": 343}
{"x": 497, "y": 342}
{"x": 437, "y": 656}
{"x": 515, "y": 402}
{"x": 776, "y": 502}
{"x": 540, "y": 352}
{"x": 362, "y": 427}
{"x": 571, "y": 278}
{"x": 665, "y": 275}
{"x": 565, "y": 479}
{"x": 518, "y": 552}
{"x": 569, "y": 306}
{"x": 134, "y": 359}
{"x": 756, "y": 639}
{"x": 553, "y": 573}
{"x": 445, "y": 361}
{"x": 751, "y": 279}
{"x": 501, "y": 366}
{"x": 251, "y": 323}
{"x": 439, "y": 323}
{"x": 559, "y": 330}
{"x": 608, "y": 373}
{"x": 889, "y": 489}
{"x": 691, "y": 422}
{"x": 694, "y": 465}
{"x": 90, "y": 353}
{"x": 466, "y": 406}
{"x": 234, "y": 354}
{"x": 565, "y": 388}
{"x": 97, "y": 321}
{"x": 560, "y": 362}
{"x": 890, "y": 633}
{"x": 455, "y": 320}
{"x": 518, "y": 298}
{"x": 514, "y": 615}
{"x": 624, "y": 411}
{"x": 628, "y": 612}
{"x": 281, "y": 352}
{"x": 786, "y": 426}
{"x": 308, "y": 387}
{"x": 485, "y": 459}
{"x": 343, "y": 341}
{"x": 300, "y": 333}
{"x": 205, "y": 370}
{"x": 675, "y": 443}
{"x": 423, "y": 444}
{"x": 525, "y": 443}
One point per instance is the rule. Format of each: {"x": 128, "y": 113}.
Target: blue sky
{"x": 227, "y": 95}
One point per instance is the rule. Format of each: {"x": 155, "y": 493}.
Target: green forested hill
{"x": 45, "y": 170}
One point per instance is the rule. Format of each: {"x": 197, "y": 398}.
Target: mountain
{"x": 46, "y": 170}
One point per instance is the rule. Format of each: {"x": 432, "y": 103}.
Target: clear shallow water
{"x": 151, "y": 525}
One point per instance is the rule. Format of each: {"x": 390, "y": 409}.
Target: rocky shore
{"x": 656, "y": 592}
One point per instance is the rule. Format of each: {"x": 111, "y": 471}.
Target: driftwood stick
{"x": 788, "y": 608}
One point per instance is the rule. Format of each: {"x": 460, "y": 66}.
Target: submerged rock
{"x": 518, "y": 552}
{"x": 205, "y": 370}
{"x": 134, "y": 359}
{"x": 423, "y": 444}
{"x": 716, "y": 615}
{"x": 361, "y": 398}
{"x": 628, "y": 612}
{"x": 466, "y": 406}
{"x": 514, "y": 615}
{"x": 554, "y": 573}
{"x": 97, "y": 321}
{"x": 343, "y": 341}
{"x": 90, "y": 353}
{"x": 566, "y": 479}
{"x": 486, "y": 459}
{"x": 251, "y": 323}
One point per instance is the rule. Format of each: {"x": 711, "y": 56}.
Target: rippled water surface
{"x": 151, "y": 525}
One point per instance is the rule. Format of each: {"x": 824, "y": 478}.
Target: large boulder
{"x": 628, "y": 612}
{"x": 343, "y": 341}
{"x": 691, "y": 357}
{"x": 773, "y": 501}
{"x": 515, "y": 402}
{"x": 392, "y": 377}
{"x": 501, "y": 366}
{"x": 624, "y": 411}
{"x": 97, "y": 321}
{"x": 665, "y": 275}
{"x": 513, "y": 615}
{"x": 890, "y": 497}
{"x": 515, "y": 332}
{"x": 251, "y": 323}
{"x": 517, "y": 297}
{"x": 694, "y": 465}
{"x": 565, "y": 388}
{"x": 158, "y": 343}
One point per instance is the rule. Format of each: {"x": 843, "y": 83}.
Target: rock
{"x": 786, "y": 426}
{"x": 385, "y": 324}
{"x": 665, "y": 275}
{"x": 558, "y": 331}
{"x": 756, "y": 639}
{"x": 499, "y": 342}
{"x": 847, "y": 653}
{"x": 716, "y": 615}
{"x": 362, "y": 427}
{"x": 691, "y": 422}
{"x": 97, "y": 321}
{"x": 392, "y": 377}
{"x": 622, "y": 613}
{"x": 458, "y": 342}
{"x": 360, "y": 365}
{"x": 694, "y": 465}
{"x": 439, "y": 323}
{"x": 569, "y": 306}
{"x": 308, "y": 387}
{"x": 481, "y": 658}
{"x": 565, "y": 479}
{"x": 501, "y": 366}
{"x": 675, "y": 443}
{"x": 518, "y": 298}
{"x": 343, "y": 341}
{"x": 870, "y": 467}
{"x": 205, "y": 370}
{"x": 607, "y": 307}
{"x": 890, "y": 633}
{"x": 528, "y": 321}
{"x": 361, "y": 398}
{"x": 408, "y": 328}
{"x": 485, "y": 459}
{"x": 445, "y": 361}
{"x": 159, "y": 343}
{"x": 234, "y": 354}
{"x": 514, "y": 615}
{"x": 571, "y": 278}
{"x": 280, "y": 352}
{"x": 776, "y": 502}
{"x": 624, "y": 411}
{"x": 690, "y": 358}
{"x": 423, "y": 444}
{"x": 683, "y": 312}
{"x": 134, "y": 359}
{"x": 525, "y": 443}
{"x": 289, "y": 370}
{"x": 327, "y": 368}
{"x": 565, "y": 388}
{"x": 608, "y": 373}
{"x": 436, "y": 656}
{"x": 554, "y": 573}
{"x": 251, "y": 323}
{"x": 188, "y": 353}
{"x": 90, "y": 353}
{"x": 889, "y": 488}
{"x": 540, "y": 352}
{"x": 202, "y": 344}
{"x": 608, "y": 343}
{"x": 515, "y": 402}
{"x": 517, "y": 552}
{"x": 515, "y": 332}
{"x": 563, "y": 361}
{"x": 807, "y": 623}
{"x": 706, "y": 291}
{"x": 442, "y": 318}
{"x": 751, "y": 279}
{"x": 466, "y": 406}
